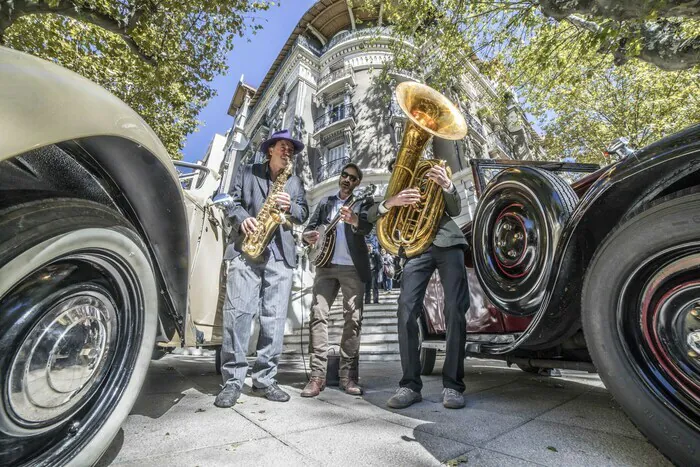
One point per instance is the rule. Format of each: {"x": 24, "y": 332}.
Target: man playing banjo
{"x": 347, "y": 269}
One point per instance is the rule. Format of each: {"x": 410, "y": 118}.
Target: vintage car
{"x": 576, "y": 268}
{"x": 100, "y": 248}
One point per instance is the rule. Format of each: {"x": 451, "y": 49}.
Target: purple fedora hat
{"x": 278, "y": 135}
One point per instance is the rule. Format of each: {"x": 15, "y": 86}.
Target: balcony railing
{"x": 347, "y": 35}
{"x": 303, "y": 41}
{"x": 337, "y": 114}
{"x": 331, "y": 168}
{"x": 333, "y": 76}
{"x": 478, "y": 127}
{"x": 502, "y": 146}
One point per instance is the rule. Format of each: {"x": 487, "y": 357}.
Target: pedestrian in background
{"x": 387, "y": 269}
{"x": 375, "y": 264}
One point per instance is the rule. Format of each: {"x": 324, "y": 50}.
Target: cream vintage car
{"x": 100, "y": 248}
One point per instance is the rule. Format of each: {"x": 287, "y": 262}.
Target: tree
{"x": 589, "y": 70}
{"x": 585, "y": 101}
{"x": 158, "y": 56}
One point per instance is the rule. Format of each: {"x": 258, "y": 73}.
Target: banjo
{"x": 321, "y": 252}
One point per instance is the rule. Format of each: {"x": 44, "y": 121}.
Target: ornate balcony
{"x": 331, "y": 168}
{"x": 475, "y": 128}
{"x": 343, "y": 115}
{"x": 500, "y": 149}
{"x": 335, "y": 80}
{"x": 349, "y": 35}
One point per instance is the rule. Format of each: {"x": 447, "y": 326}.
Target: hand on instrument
{"x": 310, "y": 237}
{"x": 284, "y": 201}
{"x": 438, "y": 174}
{"x": 408, "y": 196}
{"x": 347, "y": 216}
{"x": 249, "y": 225}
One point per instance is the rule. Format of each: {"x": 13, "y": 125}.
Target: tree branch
{"x": 69, "y": 9}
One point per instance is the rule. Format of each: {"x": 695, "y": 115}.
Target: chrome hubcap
{"x": 63, "y": 358}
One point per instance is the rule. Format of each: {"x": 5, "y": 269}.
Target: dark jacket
{"x": 375, "y": 261}
{"x": 448, "y": 234}
{"x": 357, "y": 246}
{"x": 249, "y": 192}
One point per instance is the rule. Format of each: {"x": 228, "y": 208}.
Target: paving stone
{"x": 389, "y": 444}
{"x": 167, "y": 424}
{"x": 556, "y": 444}
{"x": 299, "y": 414}
{"x": 266, "y": 451}
{"x": 468, "y": 426}
{"x": 596, "y": 411}
{"x": 485, "y": 458}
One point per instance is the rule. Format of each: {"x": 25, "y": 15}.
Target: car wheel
{"x": 79, "y": 315}
{"x": 517, "y": 226}
{"x": 427, "y": 356}
{"x": 641, "y": 318}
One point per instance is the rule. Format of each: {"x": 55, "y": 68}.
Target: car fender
{"x": 45, "y": 104}
{"x": 623, "y": 187}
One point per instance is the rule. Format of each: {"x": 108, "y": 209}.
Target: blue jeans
{"x": 387, "y": 283}
{"x": 254, "y": 288}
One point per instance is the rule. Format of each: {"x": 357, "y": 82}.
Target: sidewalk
{"x": 512, "y": 418}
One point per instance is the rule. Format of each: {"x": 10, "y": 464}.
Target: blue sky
{"x": 252, "y": 59}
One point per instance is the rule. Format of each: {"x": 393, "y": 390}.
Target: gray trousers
{"x": 254, "y": 288}
{"x": 326, "y": 285}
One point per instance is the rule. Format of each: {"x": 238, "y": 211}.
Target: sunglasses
{"x": 351, "y": 177}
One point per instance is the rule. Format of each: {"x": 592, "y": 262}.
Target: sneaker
{"x": 228, "y": 396}
{"x": 273, "y": 393}
{"x": 452, "y": 399}
{"x": 403, "y": 398}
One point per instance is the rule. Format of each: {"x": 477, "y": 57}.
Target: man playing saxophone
{"x": 260, "y": 284}
{"x": 446, "y": 253}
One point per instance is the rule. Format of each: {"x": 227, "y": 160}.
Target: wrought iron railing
{"x": 331, "y": 168}
{"x": 474, "y": 123}
{"x": 502, "y": 146}
{"x": 395, "y": 109}
{"x": 333, "y": 76}
{"x": 347, "y": 35}
{"x": 304, "y": 42}
{"x": 337, "y": 114}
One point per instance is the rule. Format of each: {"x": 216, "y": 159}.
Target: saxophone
{"x": 269, "y": 218}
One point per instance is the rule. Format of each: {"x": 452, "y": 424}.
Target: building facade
{"x": 322, "y": 86}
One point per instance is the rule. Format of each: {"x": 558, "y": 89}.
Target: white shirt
{"x": 341, "y": 254}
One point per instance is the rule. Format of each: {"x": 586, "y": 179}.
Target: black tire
{"x": 427, "y": 356}
{"x": 637, "y": 304}
{"x": 516, "y": 232}
{"x": 79, "y": 296}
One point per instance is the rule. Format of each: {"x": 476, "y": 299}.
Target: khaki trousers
{"x": 328, "y": 282}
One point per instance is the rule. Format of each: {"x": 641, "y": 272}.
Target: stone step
{"x": 366, "y": 348}
{"x": 334, "y": 336}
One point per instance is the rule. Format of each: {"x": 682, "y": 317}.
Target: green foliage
{"x": 583, "y": 101}
{"x": 587, "y": 75}
{"x": 158, "y": 57}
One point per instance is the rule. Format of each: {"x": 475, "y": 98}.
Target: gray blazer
{"x": 249, "y": 191}
{"x": 448, "y": 234}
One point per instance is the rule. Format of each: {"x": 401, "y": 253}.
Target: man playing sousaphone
{"x": 429, "y": 114}
{"x": 261, "y": 256}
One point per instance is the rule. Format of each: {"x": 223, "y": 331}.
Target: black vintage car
{"x": 582, "y": 268}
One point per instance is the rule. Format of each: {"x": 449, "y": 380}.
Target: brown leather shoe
{"x": 351, "y": 387}
{"x": 314, "y": 387}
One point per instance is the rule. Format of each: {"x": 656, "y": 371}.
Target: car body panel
{"x": 606, "y": 196}
{"x": 44, "y": 104}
